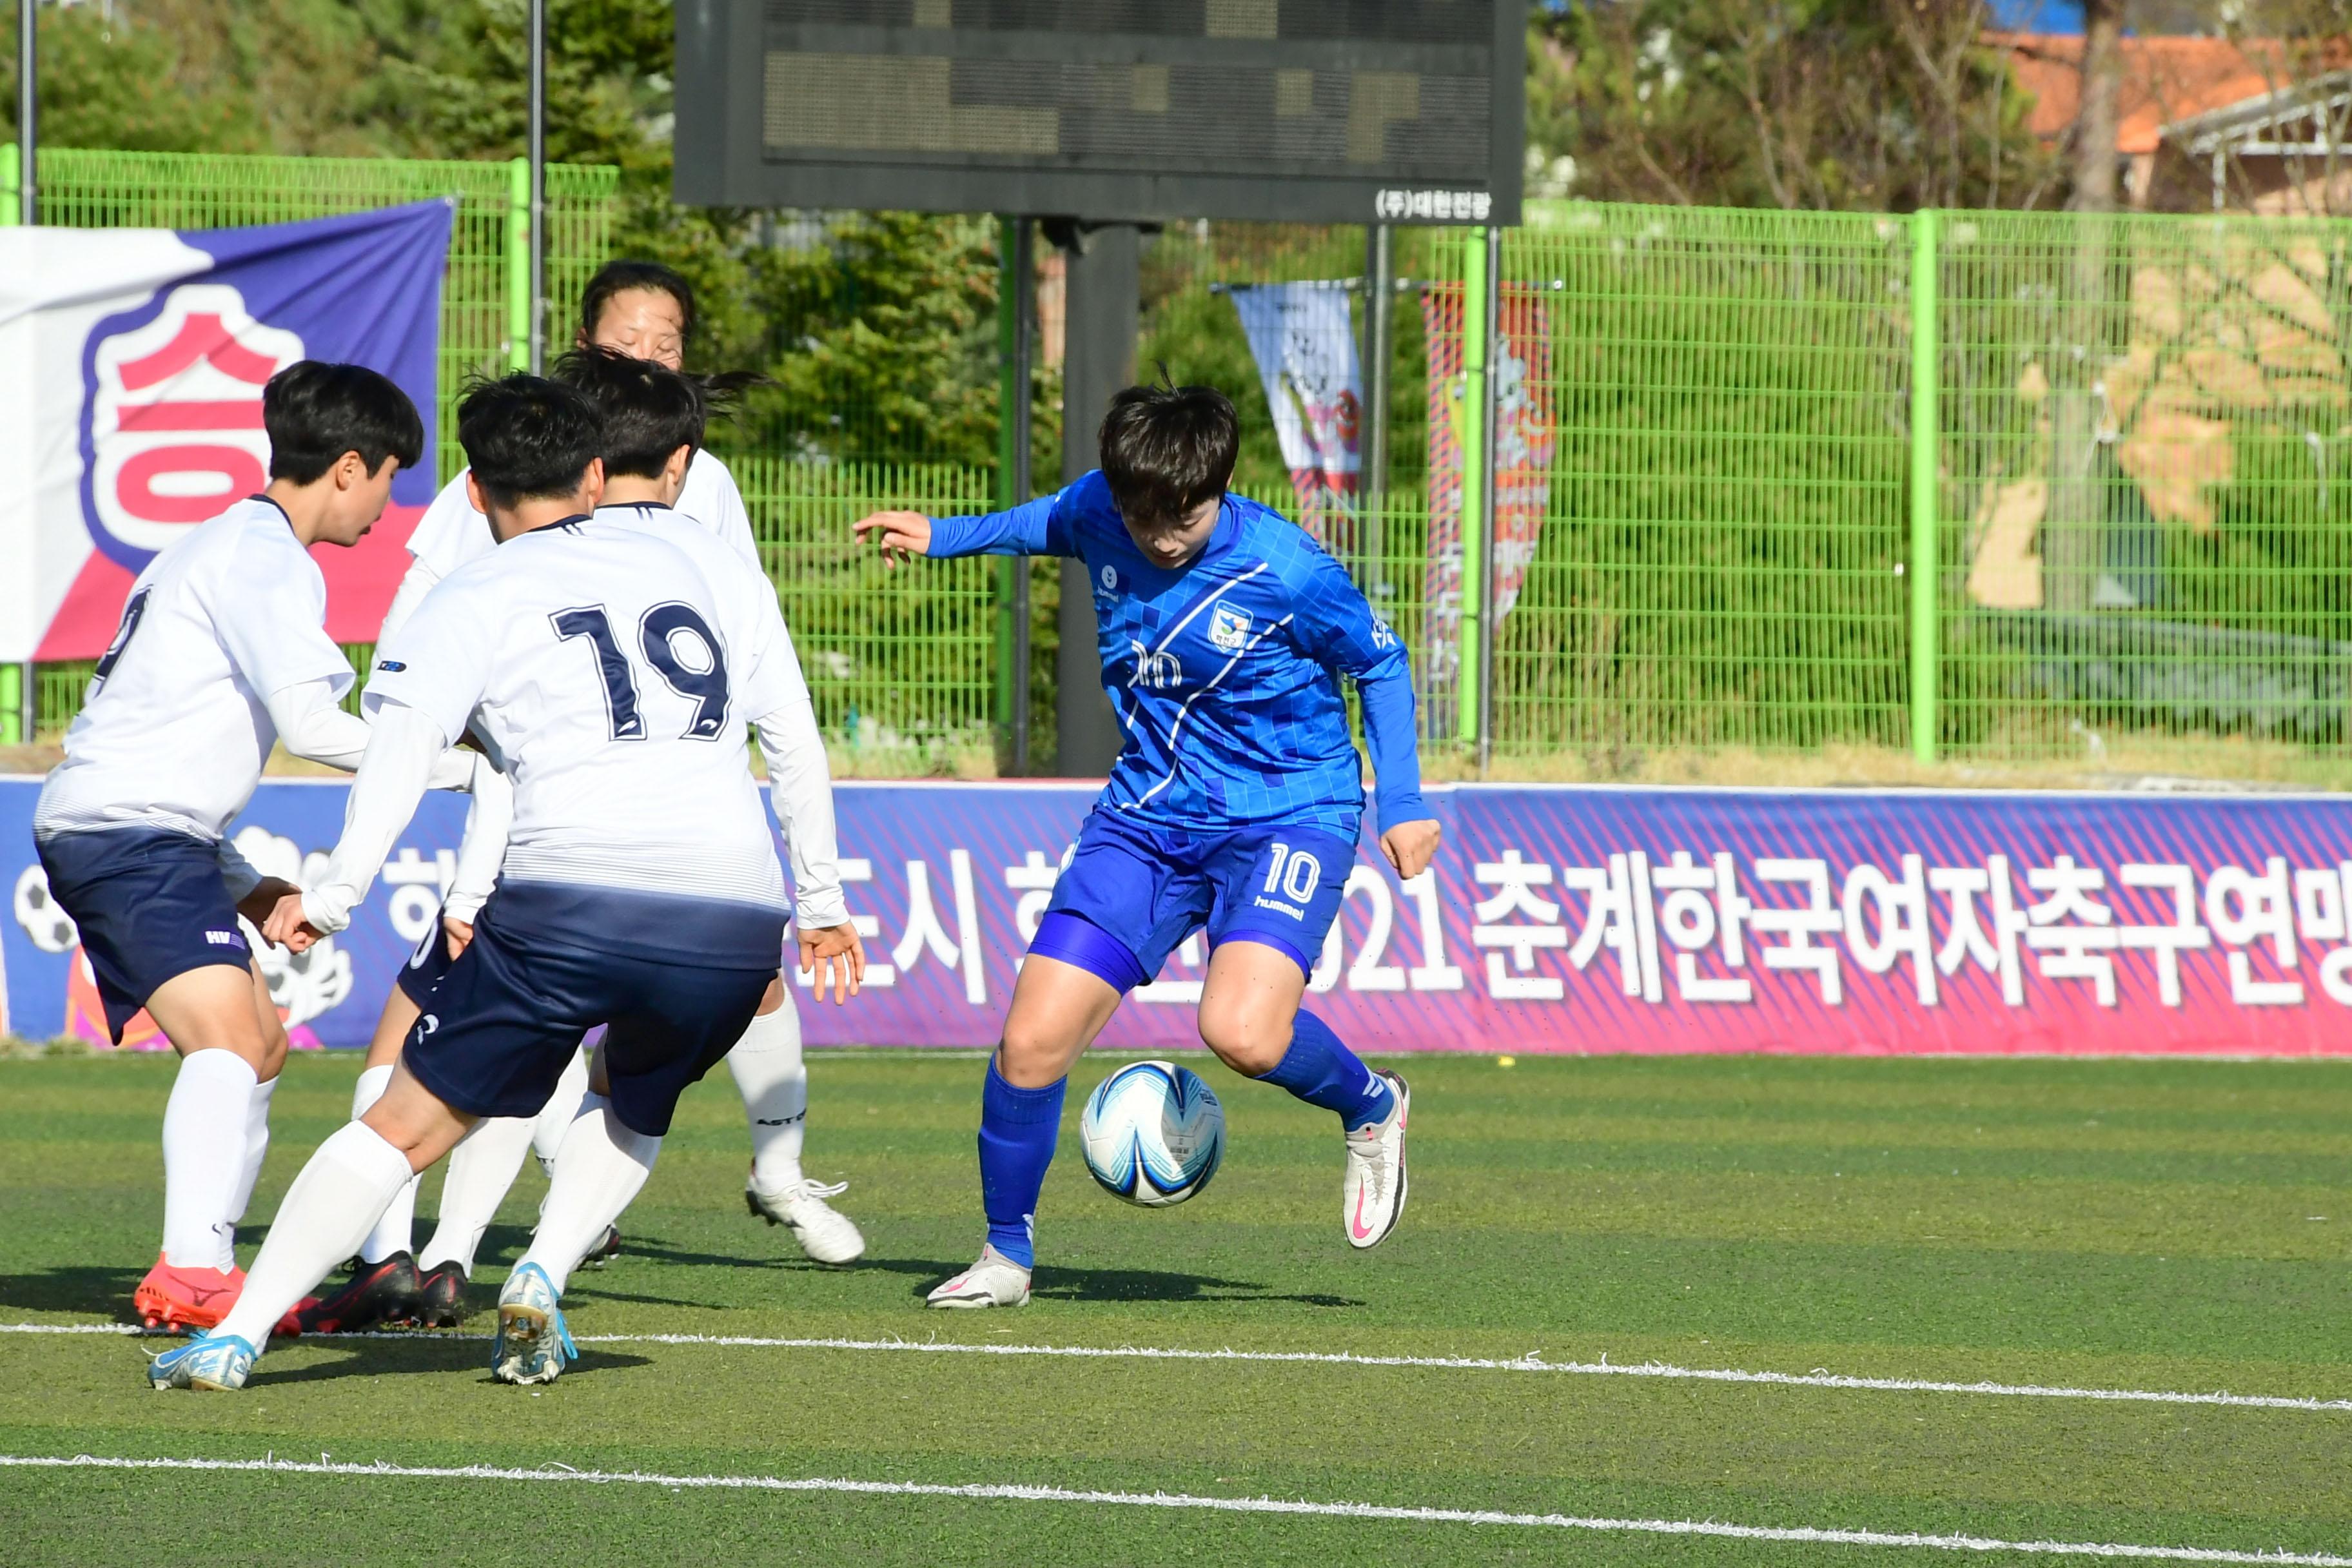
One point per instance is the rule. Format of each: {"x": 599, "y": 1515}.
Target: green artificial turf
{"x": 2125, "y": 1225}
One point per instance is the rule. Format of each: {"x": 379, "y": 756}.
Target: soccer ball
{"x": 1153, "y": 1134}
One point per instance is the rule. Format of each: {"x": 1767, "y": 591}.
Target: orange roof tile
{"x": 2164, "y": 81}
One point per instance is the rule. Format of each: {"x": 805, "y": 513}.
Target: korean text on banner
{"x": 1557, "y": 919}
{"x": 131, "y": 404}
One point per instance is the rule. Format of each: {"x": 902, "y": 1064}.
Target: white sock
{"x": 554, "y": 1118}
{"x": 773, "y": 1081}
{"x": 391, "y": 1234}
{"x": 256, "y": 1146}
{"x": 481, "y": 1168}
{"x": 327, "y": 1210}
{"x": 204, "y": 1158}
{"x": 599, "y": 1171}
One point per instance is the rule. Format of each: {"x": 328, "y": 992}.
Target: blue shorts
{"x": 150, "y": 905}
{"x": 1147, "y": 888}
{"x": 676, "y": 980}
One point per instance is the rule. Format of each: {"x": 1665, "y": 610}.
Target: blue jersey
{"x": 1226, "y": 671}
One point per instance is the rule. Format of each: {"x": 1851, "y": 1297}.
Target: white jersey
{"x": 178, "y": 721}
{"x": 451, "y": 532}
{"x": 611, "y": 680}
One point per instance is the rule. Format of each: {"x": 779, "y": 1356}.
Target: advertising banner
{"x": 1300, "y": 336}
{"x": 1562, "y": 919}
{"x": 130, "y": 398}
{"x": 1526, "y": 434}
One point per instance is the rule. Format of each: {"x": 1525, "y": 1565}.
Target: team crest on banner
{"x": 133, "y": 409}
{"x": 172, "y": 417}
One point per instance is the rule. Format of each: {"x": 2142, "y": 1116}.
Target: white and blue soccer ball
{"x": 1153, "y": 1134}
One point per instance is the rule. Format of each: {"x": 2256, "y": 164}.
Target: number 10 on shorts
{"x": 1293, "y": 874}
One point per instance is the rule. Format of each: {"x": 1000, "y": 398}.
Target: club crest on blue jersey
{"x": 1229, "y": 627}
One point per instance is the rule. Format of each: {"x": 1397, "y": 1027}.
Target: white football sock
{"x": 391, "y": 1234}
{"x": 481, "y": 1168}
{"x": 204, "y": 1158}
{"x": 554, "y": 1118}
{"x": 327, "y": 1210}
{"x": 773, "y": 1081}
{"x": 256, "y": 1147}
{"x": 599, "y": 1171}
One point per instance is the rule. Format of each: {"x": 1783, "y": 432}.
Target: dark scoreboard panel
{"x": 1305, "y": 110}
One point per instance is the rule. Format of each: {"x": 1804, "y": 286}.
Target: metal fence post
{"x": 518, "y": 253}
{"x": 1927, "y": 452}
{"x": 1488, "y": 442}
{"x": 18, "y": 685}
{"x": 1471, "y": 675}
{"x": 1015, "y": 307}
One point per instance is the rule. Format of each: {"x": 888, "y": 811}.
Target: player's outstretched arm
{"x": 402, "y": 746}
{"x": 1037, "y": 528}
{"x": 900, "y": 535}
{"x": 800, "y": 787}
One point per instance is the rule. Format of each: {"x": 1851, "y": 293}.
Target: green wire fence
{"x": 1949, "y": 486}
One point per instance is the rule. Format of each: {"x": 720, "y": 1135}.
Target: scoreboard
{"x": 1119, "y": 110}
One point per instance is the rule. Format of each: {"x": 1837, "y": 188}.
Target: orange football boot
{"x": 173, "y": 1298}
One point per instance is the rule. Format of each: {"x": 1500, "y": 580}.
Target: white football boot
{"x": 824, "y": 1233}
{"x": 1371, "y": 1194}
{"x": 995, "y": 1281}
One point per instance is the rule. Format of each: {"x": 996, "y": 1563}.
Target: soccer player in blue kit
{"x": 1235, "y": 805}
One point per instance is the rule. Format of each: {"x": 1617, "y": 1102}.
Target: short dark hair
{"x": 315, "y": 412}
{"x": 528, "y": 438}
{"x": 619, "y": 278}
{"x": 648, "y": 410}
{"x": 1166, "y": 449}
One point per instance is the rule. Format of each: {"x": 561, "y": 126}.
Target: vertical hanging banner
{"x": 1526, "y": 435}
{"x": 132, "y": 365}
{"x": 1305, "y": 346}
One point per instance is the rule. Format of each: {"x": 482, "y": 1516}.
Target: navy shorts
{"x": 427, "y": 964}
{"x": 1148, "y": 889}
{"x": 150, "y": 905}
{"x": 676, "y": 980}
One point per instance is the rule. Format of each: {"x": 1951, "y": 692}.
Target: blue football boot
{"x": 533, "y": 1342}
{"x": 217, "y": 1361}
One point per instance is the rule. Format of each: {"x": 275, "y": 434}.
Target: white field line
{"x": 1531, "y": 1363}
{"x": 1801, "y": 1533}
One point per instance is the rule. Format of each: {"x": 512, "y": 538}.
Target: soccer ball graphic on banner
{"x": 1153, "y": 1134}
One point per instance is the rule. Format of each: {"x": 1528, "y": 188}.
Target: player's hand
{"x": 287, "y": 925}
{"x": 904, "y": 533}
{"x": 459, "y": 933}
{"x": 834, "y": 955}
{"x": 1411, "y": 845}
{"x": 256, "y": 905}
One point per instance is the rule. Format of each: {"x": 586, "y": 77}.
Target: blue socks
{"x": 1017, "y": 1130}
{"x": 1322, "y": 1071}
